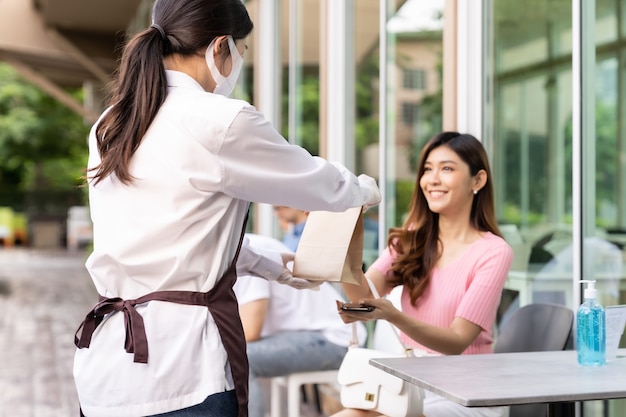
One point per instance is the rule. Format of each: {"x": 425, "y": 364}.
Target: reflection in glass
{"x": 532, "y": 112}
{"x": 532, "y": 119}
{"x": 413, "y": 96}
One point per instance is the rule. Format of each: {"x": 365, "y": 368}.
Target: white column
{"x": 382, "y": 121}
{"x": 267, "y": 86}
{"x": 470, "y": 67}
{"x": 583, "y": 135}
{"x": 577, "y": 242}
{"x": 340, "y": 82}
{"x": 295, "y": 79}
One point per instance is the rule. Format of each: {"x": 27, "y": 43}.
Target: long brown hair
{"x": 417, "y": 241}
{"x": 184, "y": 27}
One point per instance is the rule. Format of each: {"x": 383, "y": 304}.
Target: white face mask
{"x": 225, "y": 85}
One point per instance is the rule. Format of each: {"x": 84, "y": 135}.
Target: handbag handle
{"x": 408, "y": 351}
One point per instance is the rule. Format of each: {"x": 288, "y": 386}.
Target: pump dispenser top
{"x": 591, "y": 328}
{"x": 590, "y": 291}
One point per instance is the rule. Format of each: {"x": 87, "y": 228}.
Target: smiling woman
{"x": 449, "y": 259}
{"x": 453, "y": 202}
{"x": 447, "y": 182}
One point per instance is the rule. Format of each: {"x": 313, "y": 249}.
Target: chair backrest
{"x": 534, "y": 328}
{"x": 521, "y": 249}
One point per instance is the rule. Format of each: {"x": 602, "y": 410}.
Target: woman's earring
{"x": 475, "y": 192}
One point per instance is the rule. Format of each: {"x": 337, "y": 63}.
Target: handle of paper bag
{"x": 354, "y": 341}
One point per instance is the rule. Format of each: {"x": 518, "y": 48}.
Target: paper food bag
{"x": 331, "y": 247}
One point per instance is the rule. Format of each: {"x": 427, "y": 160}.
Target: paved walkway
{"x": 44, "y": 295}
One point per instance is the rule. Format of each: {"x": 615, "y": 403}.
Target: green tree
{"x": 308, "y": 130}
{"x": 606, "y": 159}
{"x": 367, "y": 123}
{"x": 42, "y": 143}
{"x": 366, "y": 129}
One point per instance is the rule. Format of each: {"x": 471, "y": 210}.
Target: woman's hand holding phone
{"x": 351, "y": 312}
{"x": 358, "y": 308}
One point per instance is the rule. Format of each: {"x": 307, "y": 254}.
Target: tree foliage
{"x": 308, "y": 127}
{"x": 42, "y": 143}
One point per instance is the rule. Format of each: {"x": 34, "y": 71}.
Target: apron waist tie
{"x": 136, "y": 341}
{"x": 222, "y": 304}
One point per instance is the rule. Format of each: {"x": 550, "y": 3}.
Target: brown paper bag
{"x": 331, "y": 247}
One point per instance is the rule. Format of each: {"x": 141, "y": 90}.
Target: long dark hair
{"x": 183, "y": 27}
{"x": 417, "y": 241}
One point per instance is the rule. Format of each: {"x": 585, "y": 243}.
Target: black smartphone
{"x": 359, "y": 308}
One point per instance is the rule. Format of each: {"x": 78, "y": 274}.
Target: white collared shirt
{"x": 176, "y": 227}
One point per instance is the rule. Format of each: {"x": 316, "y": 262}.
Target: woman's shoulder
{"x": 201, "y": 113}
{"x": 494, "y": 243}
{"x": 201, "y": 101}
{"x": 490, "y": 238}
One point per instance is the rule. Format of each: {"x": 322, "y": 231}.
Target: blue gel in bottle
{"x": 591, "y": 329}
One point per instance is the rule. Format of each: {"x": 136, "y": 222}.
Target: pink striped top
{"x": 470, "y": 287}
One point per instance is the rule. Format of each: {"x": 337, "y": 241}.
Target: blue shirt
{"x": 292, "y": 238}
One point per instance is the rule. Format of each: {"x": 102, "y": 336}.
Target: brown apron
{"x": 220, "y": 301}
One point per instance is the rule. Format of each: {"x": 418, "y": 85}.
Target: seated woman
{"x": 451, "y": 260}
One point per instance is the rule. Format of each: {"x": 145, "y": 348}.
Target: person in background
{"x": 292, "y": 222}
{"x": 288, "y": 330}
{"x": 174, "y": 164}
{"x": 450, "y": 259}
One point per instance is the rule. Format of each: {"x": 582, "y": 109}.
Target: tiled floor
{"x": 43, "y": 298}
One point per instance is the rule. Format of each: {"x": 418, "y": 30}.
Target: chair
{"x": 293, "y": 383}
{"x": 521, "y": 249}
{"x": 534, "y": 328}
{"x": 383, "y": 339}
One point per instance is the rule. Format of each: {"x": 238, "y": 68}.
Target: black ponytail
{"x": 182, "y": 27}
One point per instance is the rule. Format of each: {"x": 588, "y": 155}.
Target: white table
{"x": 512, "y": 378}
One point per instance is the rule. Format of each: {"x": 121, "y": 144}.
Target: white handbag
{"x": 368, "y": 388}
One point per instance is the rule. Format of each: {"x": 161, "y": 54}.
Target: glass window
{"x": 414, "y": 79}
{"x": 409, "y": 113}
{"x": 533, "y": 135}
{"x": 301, "y": 79}
{"x": 606, "y": 253}
{"x": 413, "y": 96}
{"x": 532, "y": 115}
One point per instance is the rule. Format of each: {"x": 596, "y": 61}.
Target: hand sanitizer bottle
{"x": 591, "y": 329}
